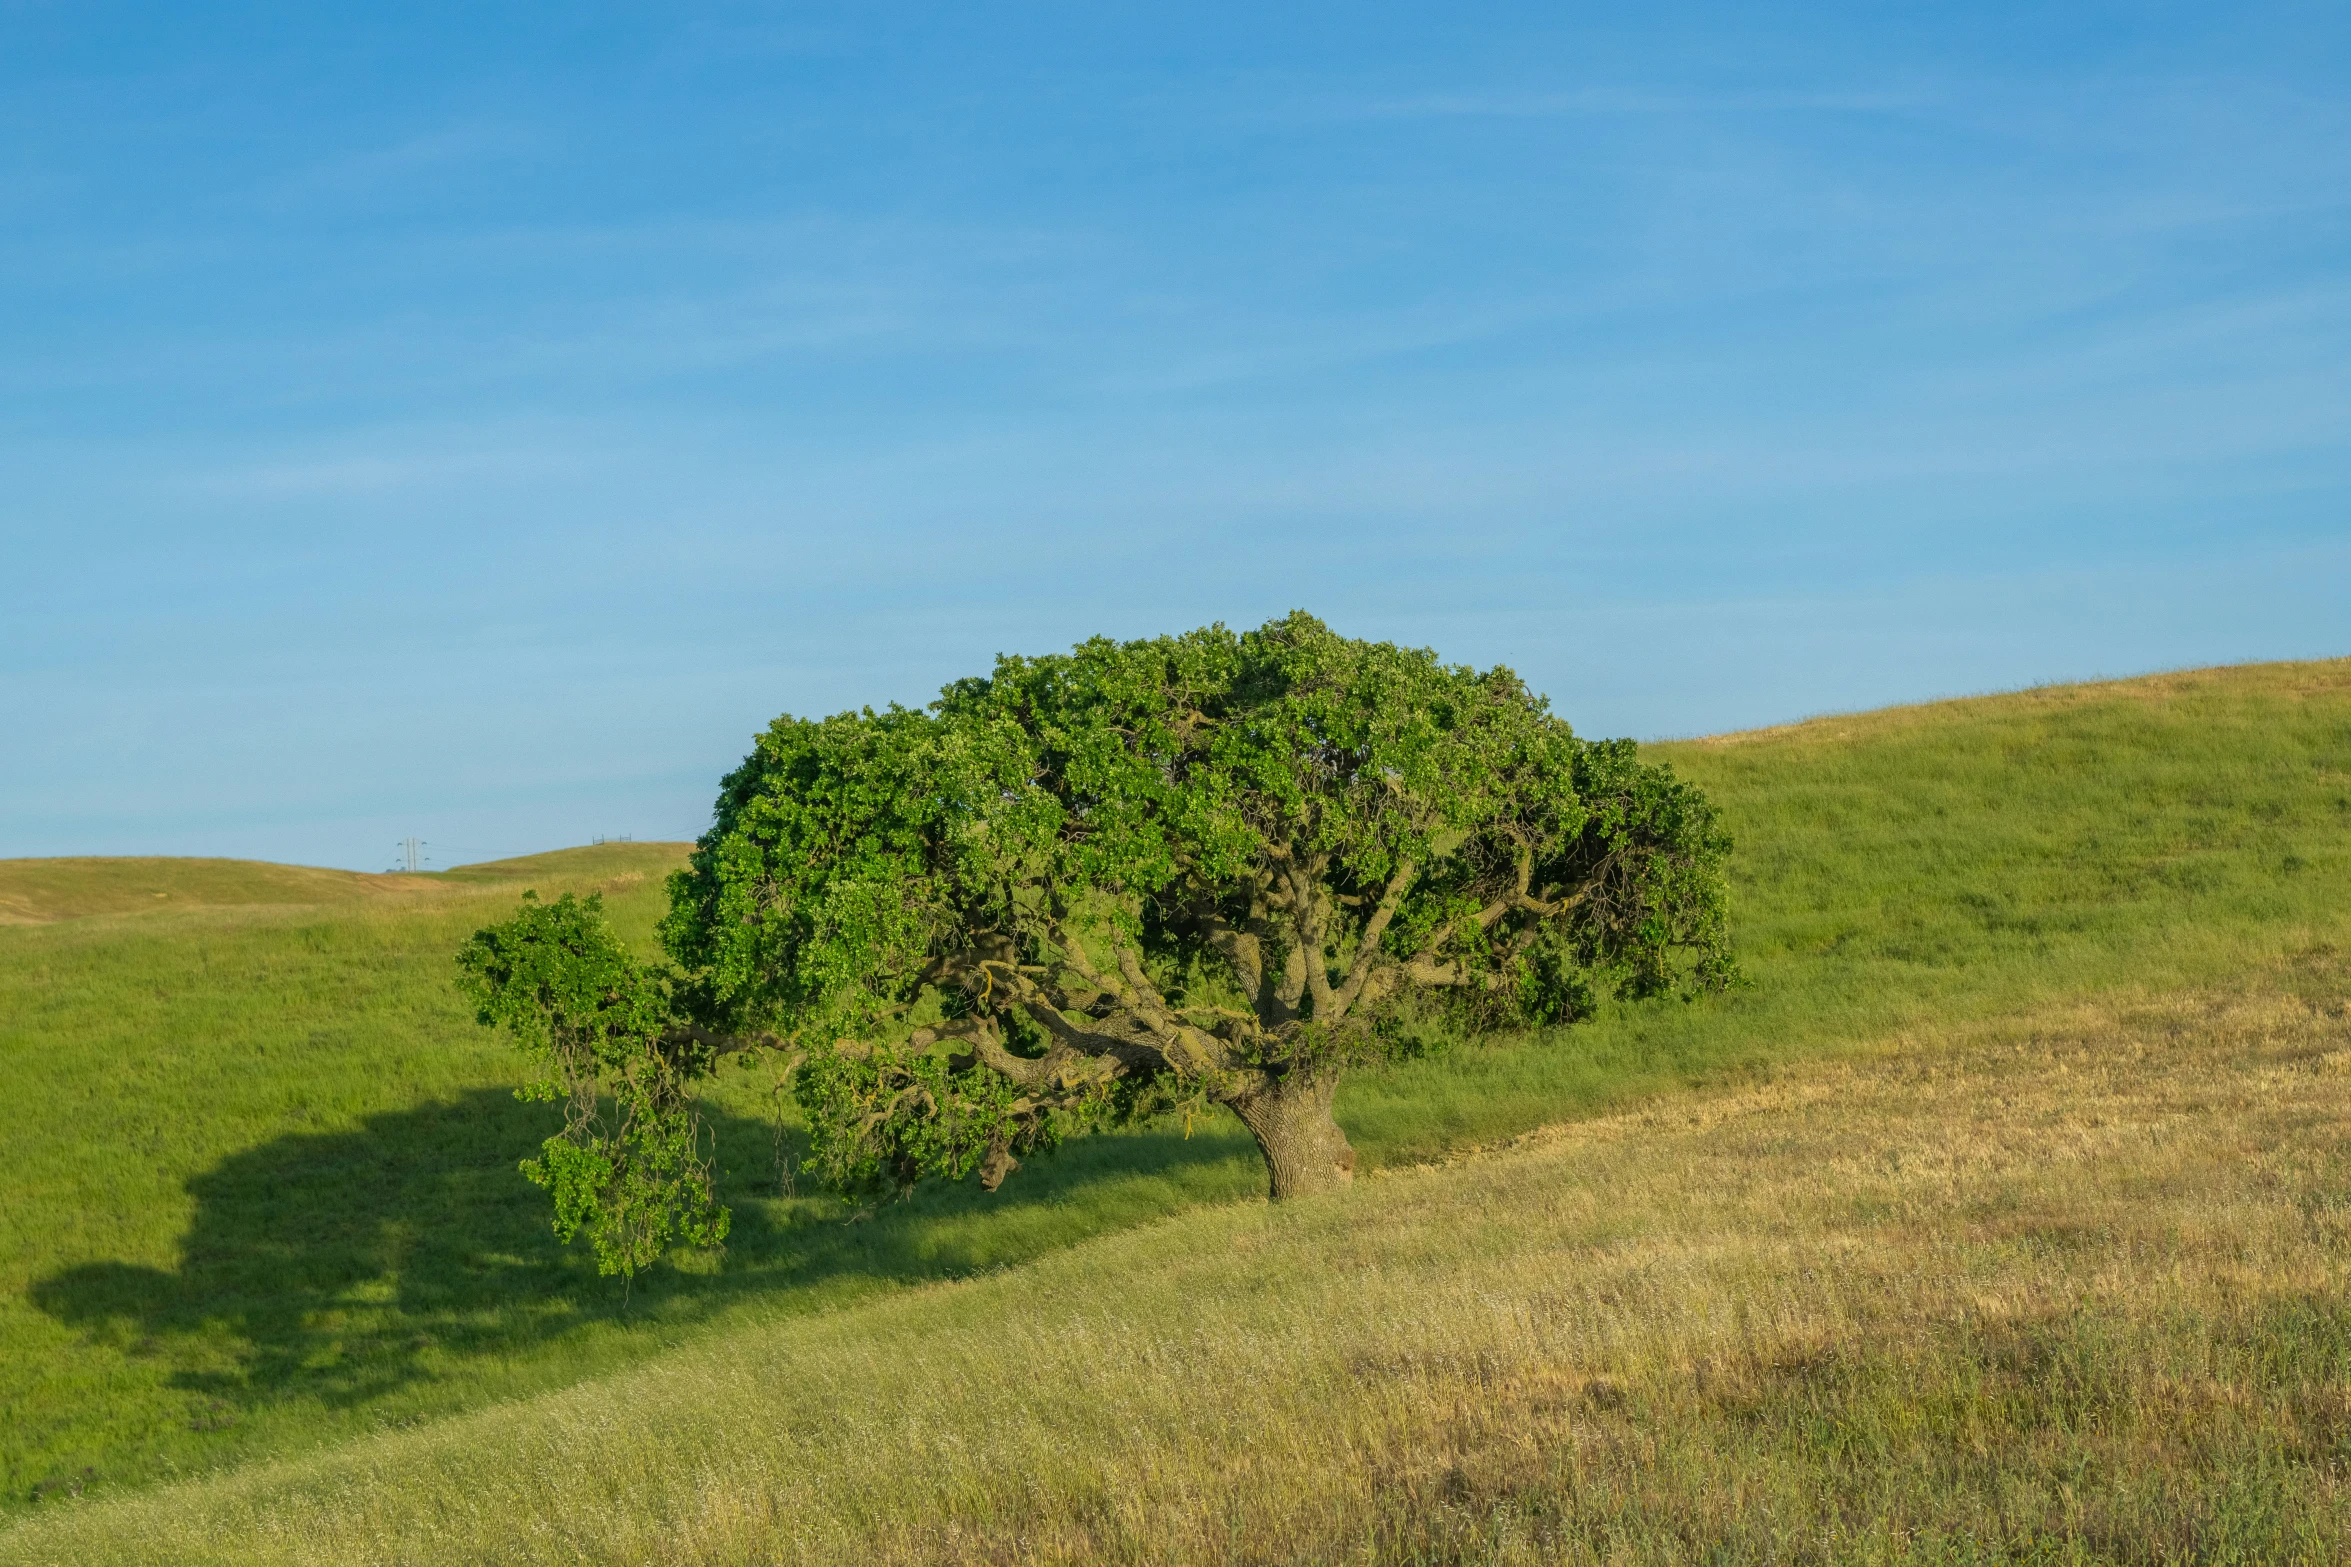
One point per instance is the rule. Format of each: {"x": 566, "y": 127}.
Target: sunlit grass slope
{"x": 38, "y": 892}
{"x": 2064, "y": 1287}
{"x": 1929, "y": 864}
{"x": 41, "y": 892}
{"x": 192, "y": 1213}
{"x": 261, "y": 1188}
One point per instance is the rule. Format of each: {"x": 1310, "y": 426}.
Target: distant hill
{"x": 39, "y": 892}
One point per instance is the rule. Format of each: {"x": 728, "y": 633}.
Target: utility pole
{"x": 409, "y": 847}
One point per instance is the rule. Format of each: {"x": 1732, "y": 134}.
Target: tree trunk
{"x": 1305, "y": 1152}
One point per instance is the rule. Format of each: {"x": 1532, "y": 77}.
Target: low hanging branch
{"x": 1210, "y": 869}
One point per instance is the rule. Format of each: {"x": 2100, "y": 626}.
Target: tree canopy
{"x": 1216, "y": 868}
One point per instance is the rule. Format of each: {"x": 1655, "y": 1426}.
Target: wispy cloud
{"x": 1597, "y": 102}
{"x": 424, "y": 155}
{"x": 401, "y": 461}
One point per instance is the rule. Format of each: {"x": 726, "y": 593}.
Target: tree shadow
{"x": 341, "y": 1266}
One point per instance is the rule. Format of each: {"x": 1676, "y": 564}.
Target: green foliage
{"x": 1211, "y": 867}
{"x": 879, "y": 1118}
{"x": 629, "y": 1165}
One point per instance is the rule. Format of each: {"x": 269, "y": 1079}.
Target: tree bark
{"x": 1305, "y": 1152}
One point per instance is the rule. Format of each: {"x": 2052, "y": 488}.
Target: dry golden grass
{"x": 2068, "y": 1288}
{"x": 40, "y": 892}
{"x": 47, "y": 891}
{"x": 2295, "y": 681}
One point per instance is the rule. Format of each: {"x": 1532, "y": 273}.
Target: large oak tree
{"x": 1217, "y": 868}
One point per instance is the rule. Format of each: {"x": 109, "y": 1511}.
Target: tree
{"x": 1218, "y": 868}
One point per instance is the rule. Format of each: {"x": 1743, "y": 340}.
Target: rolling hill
{"x": 2020, "y": 1153}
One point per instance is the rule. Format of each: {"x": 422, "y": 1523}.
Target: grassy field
{"x": 260, "y": 1200}
{"x": 2065, "y": 1289}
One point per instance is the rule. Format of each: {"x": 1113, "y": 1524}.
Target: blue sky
{"x": 477, "y": 421}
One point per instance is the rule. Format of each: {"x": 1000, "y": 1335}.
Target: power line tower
{"x": 410, "y": 848}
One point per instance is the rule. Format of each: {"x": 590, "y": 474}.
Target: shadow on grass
{"x": 341, "y": 1266}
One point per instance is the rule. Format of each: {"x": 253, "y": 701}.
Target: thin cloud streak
{"x": 1612, "y": 102}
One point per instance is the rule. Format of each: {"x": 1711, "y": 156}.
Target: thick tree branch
{"x": 1292, "y": 989}
{"x": 1123, "y": 1048}
{"x": 1517, "y": 899}
{"x": 1307, "y": 918}
{"x": 1144, "y": 995}
{"x": 1241, "y": 949}
{"x": 1367, "y": 945}
{"x": 1186, "y": 1048}
{"x": 1074, "y": 954}
{"x": 728, "y": 1044}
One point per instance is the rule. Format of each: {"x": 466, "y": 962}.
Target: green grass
{"x": 261, "y": 1185}
{"x": 259, "y": 1194}
{"x": 1921, "y": 866}
{"x": 2067, "y": 1288}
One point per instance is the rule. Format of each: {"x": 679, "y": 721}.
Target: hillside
{"x": 42, "y": 892}
{"x": 2067, "y": 1289}
{"x": 266, "y": 1199}
{"x": 45, "y": 892}
{"x": 170, "y": 1065}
